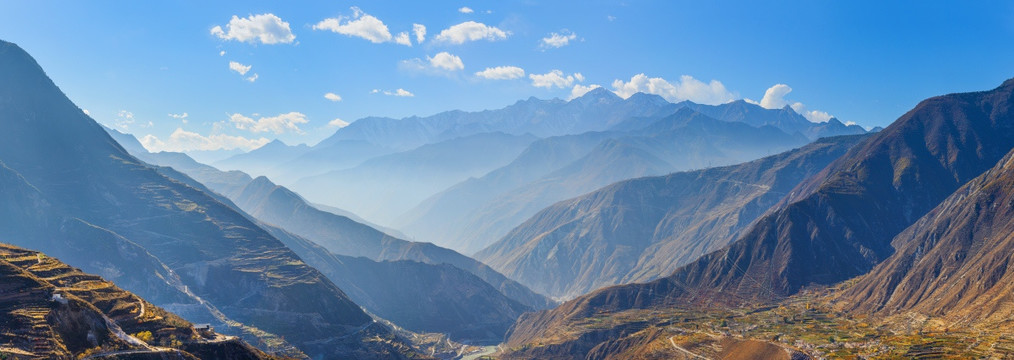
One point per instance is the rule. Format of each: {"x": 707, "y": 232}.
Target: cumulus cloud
{"x": 816, "y": 116}
{"x": 687, "y": 88}
{"x": 420, "y": 32}
{"x": 502, "y": 73}
{"x": 182, "y": 140}
{"x": 558, "y": 40}
{"x": 252, "y": 78}
{"x": 579, "y": 90}
{"x": 465, "y": 10}
{"x": 362, "y": 25}
{"x": 555, "y": 78}
{"x": 333, "y": 97}
{"x": 403, "y": 39}
{"x": 265, "y": 28}
{"x": 276, "y": 124}
{"x": 470, "y": 31}
{"x": 338, "y": 123}
{"x": 446, "y": 61}
{"x": 400, "y": 92}
{"x": 774, "y": 98}
{"x": 221, "y": 53}
{"x": 240, "y": 68}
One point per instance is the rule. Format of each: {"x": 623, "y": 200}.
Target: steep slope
{"x": 952, "y": 263}
{"x": 839, "y": 223}
{"x": 683, "y": 141}
{"x": 340, "y": 235}
{"x": 383, "y": 187}
{"x": 642, "y": 229}
{"x": 52, "y": 310}
{"x": 429, "y": 301}
{"x": 86, "y": 178}
{"x": 417, "y": 296}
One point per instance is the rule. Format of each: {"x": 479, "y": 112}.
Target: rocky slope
{"x": 51, "y": 310}
{"x": 839, "y": 223}
{"x": 954, "y": 262}
{"x": 642, "y": 229}
{"x": 82, "y": 180}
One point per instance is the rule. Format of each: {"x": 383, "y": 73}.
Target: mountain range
{"x": 642, "y": 229}
{"x": 76, "y": 191}
{"x": 910, "y": 210}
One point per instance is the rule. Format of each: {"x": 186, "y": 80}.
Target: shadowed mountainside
{"x": 837, "y": 224}
{"x": 642, "y": 229}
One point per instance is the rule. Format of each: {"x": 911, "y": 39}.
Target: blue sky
{"x": 139, "y": 66}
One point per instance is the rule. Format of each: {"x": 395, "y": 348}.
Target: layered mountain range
{"x": 367, "y": 263}
{"x": 916, "y": 210}
{"x": 642, "y": 229}
{"x": 76, "y": 193}
{"x": 464, "y": 179}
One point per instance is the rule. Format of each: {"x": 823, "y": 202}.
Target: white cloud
{"x": 182, "y": 117}
{"x": 338, "y": 123}
{"x": 610, "y": 18}
{"x": 362, "y": 25}
{"x": 332, "y": 96}
{"x": 124, "y": 119}
{"x": 774, "y": 97}
{"x": 86, "y": 112}
{"x": 252, "y": 78}
{"x": 558, "y": 40}
{"x": 182, "y": 140}
{"x": 276, "y": 124}
{"x": 221, "y": 53}
{"x": 240, "y": 68}
{"x": 470, "y": 31}
{"x": 555, "y": 78}
{"x": 687, "y": 88}
{"x": 266, "y": 28}
{"x": 465, "y": 10}
{"x": 816, "y": 116}
{"x": 502, "y": 73}
{"x": 446, "y": 61}
{"x": 400, "y": 92}
{"x": 420, "y": 32}
{"x": 403, "y": 39}
{"x": 579, "y": 90}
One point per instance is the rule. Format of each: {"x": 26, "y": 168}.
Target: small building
{"x": 58, "y": 297}
{"x": 205, "y": 330}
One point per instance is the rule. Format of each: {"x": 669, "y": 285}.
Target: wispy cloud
{"x": 279, "y": 124}
{"x": 774, "y": 98}
{"x": 557, "y": 40}
{"x": 465, "y": 10}
{"x": 182, "y": 140}
{"x": 686, "y": 88}
{"x": 400, "y": 92}
{"x": 502, "y": 73}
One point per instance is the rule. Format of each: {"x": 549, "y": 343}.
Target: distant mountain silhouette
{"x": 642, "y": 229}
